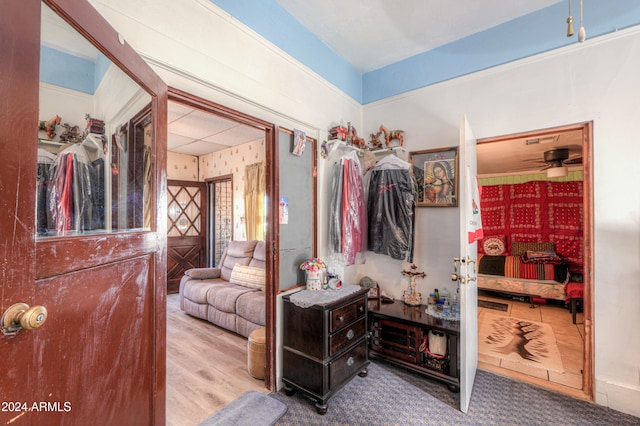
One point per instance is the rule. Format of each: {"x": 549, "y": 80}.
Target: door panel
{"x": 469, "y": 257}
{"x": 100, "y": 355}
{"x": 97, "y": 342}
{"x": 186, "y": 230}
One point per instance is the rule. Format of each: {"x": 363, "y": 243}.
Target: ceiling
{"x": 526, "y": 154}
{"x": 373, "y": 34}
{"x": 195, "y": 132}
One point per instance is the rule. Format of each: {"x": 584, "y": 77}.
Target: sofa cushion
{"x": 203, "y": 273}
{"x": 259, "y": 259}
{"x": 224, "y": 297}
{"x": 196, "y": 290}
{"x": 237, "y": 252}
{"x": 247, "y": 276}
{"x": 251, "y": 306}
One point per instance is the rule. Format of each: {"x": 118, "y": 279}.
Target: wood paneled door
{"x": 186, "y": 224}
{"x": 93, "y": 350}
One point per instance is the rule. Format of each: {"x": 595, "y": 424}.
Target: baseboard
{"x": 618, "y": 397}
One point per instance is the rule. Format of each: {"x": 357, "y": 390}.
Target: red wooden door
{"x": 99, "y": 358}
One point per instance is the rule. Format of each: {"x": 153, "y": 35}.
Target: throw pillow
{"x": 248, "y": 276}
{"x": 520, "y": 248}
{"x": 493, "y": 245}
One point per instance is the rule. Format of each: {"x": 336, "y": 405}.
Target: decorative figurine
{"x": 71, "y": 134}
{"x": 412, "y": 297}
{"x": 374, "y": 140}
{"x": 50, "y": 126}
{"x": 391, "y": 135}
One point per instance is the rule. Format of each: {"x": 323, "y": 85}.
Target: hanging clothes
{"x": 391, "y": 202}
{"x": 43, "y": 217}
{"x": 74, "y": 194}
{"x": 348, "y": 224}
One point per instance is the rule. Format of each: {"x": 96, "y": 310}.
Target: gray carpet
{"x": 252, "y": 408}
{"x": 394, "y": 396}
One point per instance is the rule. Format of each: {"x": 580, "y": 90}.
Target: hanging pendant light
{"x": 582, "y": 35}
{"x": 569, "y": 22}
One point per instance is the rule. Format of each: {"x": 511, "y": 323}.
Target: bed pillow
{"x": 248, "y": 276}
{"x": 493, "y": 245}
{"x": 531, "y": 256}
{"x": 520, "y": 248}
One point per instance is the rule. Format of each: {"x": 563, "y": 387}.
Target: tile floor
{"x": 569, "y": 336}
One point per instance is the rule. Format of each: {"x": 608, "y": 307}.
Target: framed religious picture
{"x": 436, "y": 172}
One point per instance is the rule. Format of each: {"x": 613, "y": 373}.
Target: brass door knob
{"x": 22, "y": 316}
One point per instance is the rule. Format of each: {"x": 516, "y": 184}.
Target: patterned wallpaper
{"x": 182, "y": 167}
{"x": 233, "y": 161}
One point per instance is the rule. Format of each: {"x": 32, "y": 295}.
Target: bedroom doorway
{"x": 556, "y": 154}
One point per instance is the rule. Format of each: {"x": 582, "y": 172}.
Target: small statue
{"x": 412, "y": 297}
{"x": 356, "y": 141}
{"x": 374, "y": 140}
{"x": 50, "y": 126}
{"x": 71, "y": 134}
{"x": 391, "y": 135}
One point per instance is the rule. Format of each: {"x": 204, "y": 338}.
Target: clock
{"x": 493, "y": 246}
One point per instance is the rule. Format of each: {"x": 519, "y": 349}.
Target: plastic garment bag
{"x": 348, "y": 223}
{"x": 391, "y": 202}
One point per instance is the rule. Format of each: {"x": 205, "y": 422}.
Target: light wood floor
{"x": 206, "y": 367}
{"x": 569, "y": 336}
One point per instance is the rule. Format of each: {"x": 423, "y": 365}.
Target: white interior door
{"x": 469, "y": 222}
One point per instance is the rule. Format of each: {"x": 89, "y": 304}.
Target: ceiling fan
{"x": 557, "y": 160}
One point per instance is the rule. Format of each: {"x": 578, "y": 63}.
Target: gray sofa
{"x": 230, "y": 296}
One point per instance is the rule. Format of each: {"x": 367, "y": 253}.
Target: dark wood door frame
{"x": 272, "y": 279}
{"x": 587, "y": 170}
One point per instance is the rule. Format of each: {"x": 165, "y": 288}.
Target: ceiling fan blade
{"x": 577, "y": 160}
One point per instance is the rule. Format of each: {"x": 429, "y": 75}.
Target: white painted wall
{"x": 217, "y": 58}
{"x": 595, "y": 81}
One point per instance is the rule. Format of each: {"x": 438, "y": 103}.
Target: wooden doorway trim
{"x": 587, "y": 170}
{"x": 271, "y": 288}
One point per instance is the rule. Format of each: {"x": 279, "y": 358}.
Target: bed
{"x": 530, "y": 217}
{"x": 513, "y": 275}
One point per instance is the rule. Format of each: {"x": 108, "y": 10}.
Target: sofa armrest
{"x": 203, "y": 273}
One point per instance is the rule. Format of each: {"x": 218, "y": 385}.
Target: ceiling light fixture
{"x": 569, "y": 22}
{"x": 554, "y": 172}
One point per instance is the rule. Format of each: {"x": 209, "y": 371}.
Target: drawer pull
{"x": 340, "y": 318}
{"x": 360, "y": 309}
{"x": 350, "y": 334}
{"x": 350, "y": 361}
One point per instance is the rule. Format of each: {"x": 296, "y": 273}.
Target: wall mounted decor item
{"x": 436, "y": 173}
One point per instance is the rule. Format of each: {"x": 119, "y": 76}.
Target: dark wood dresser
{"x": 325, "y": 346}
{"x": 400, "y": 335}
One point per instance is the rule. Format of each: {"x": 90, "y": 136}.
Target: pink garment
{"x": 354, "y": 211}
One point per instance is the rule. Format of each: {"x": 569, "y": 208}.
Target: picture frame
{"x": 436, "y": 173}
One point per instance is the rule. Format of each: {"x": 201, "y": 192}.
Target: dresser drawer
{"x": 346, "y": 336}
{"x": 346, "y": 365}
{"x": 347, "y": 314}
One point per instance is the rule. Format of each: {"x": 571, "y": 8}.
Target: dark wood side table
{"x": 324, "y": 346}
{"x": 399, "y": 333}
